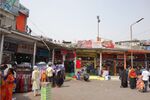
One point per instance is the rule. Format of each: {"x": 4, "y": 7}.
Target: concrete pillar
{"x": 1, "y": 49}
{"x": 53, "y": 56}
{"x": 115, "y": 68}
{"x": 125, "y": 61}
{"x": 100, "y": 64}
{"x": 64, "y": 58}
{"x": 146, "y": 65}
{"x": 95, "y": 62}
{"x": 34, "y": 54}
{"x": 75, "y": 60}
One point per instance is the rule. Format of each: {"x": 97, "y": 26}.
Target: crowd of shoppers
{"x": 54, "y": 74}
{"x": 137, "y": 78}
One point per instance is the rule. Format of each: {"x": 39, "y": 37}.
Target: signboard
{"x": 95, "y": 44}
{"x": 23, "y": 10}
{"x": 84, "y": 44}
{"x": 108, "y": 44}
{"x": 146, "y": 42}
{"x": 24, "y": 48}
{"x": 42, "y": 52}
{"x": 10, "y": 47}
{"x": 10, "y": 5}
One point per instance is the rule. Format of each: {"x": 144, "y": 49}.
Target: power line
{"x": 37, "y": 27}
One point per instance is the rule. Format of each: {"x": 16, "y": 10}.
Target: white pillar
{"x": 34, "y": 53}
{"x": 100, "y": 64}
{"x": 1, "y": 49}
{"x": 75, "y": 60}
{"x": 53, "y": 56}
{"x": 64, "y": 58}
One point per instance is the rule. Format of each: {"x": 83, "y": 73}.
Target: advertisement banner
{"x": 84, "y": 44}
{"x": 95, "y": 44}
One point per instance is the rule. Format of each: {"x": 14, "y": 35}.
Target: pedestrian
{"x": 9, "y": 84}
{"x": 36, "y": 81}
{"x": 49, "y": 72}
{"x": 43, "y": 76}
{"x": 124, "y": 79}
{"x": 132, "y": 78}
{"x": 145, "y": 74}
{"x": 138, "y": 71}
{"x": 140, "y": 84}
{"x": 59, "y": 78}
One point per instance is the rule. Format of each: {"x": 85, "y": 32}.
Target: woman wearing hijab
{"x": 132, "y": 78}
{"x": 124, "y": 79}
{"x": 36, "y": 81}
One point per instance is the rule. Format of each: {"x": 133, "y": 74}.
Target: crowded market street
{"x": 93, "y": 90}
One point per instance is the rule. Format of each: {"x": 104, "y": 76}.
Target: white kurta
{"x": 35, "y": 80}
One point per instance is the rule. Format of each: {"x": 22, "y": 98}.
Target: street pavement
{"x": 93, "y": 90}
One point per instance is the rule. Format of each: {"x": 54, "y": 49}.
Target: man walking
{"x": 49, "y": 72}
{"x": 145, "y": 74}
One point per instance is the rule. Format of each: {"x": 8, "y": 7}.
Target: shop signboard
{"x": 25, "y": 48}
{"x": 10, "y": 47}
{"x": 10, "y": 5}
{"x": 108, "y": 44}
{"x": 96, "y": 44}
{"x": 146, "y": 42}
{"x": 84, "y": 44}
{"x": 42, "y": 52}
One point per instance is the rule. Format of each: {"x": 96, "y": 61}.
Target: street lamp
{"x": 98, "y": 20}
{"x": 131, "y": 38}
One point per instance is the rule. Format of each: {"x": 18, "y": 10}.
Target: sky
{"x": 73, "y": 20}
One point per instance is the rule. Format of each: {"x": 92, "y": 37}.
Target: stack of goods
{"x": 45, "y": 91}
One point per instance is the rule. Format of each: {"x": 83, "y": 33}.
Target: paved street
{"x": 94, "y": 90}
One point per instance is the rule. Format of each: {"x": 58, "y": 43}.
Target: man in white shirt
{"x": 145, "y": 78}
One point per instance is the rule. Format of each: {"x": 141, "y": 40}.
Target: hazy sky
{"x": 76, "y": 19}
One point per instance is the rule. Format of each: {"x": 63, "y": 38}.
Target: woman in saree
{"x": 9, "y": 84}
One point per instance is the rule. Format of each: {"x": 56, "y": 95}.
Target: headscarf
{"x": 35, "y": 67}
{"x": 132, "y": 73}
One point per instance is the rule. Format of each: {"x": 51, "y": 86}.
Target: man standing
{"x": 145, "y": 78}
{"x": 36, "y": 81}
{"x": 49, "y": 72}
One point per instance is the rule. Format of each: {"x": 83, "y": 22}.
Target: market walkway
{"x": 94, "y": 90}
